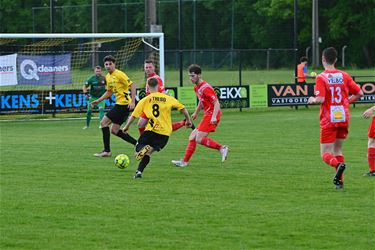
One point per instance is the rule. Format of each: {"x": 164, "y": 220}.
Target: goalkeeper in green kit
{"x": 96, "y": 84}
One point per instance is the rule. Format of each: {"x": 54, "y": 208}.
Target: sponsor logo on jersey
{"x": 336, "y": 78}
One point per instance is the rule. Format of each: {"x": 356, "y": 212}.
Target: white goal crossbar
{"x": 159, "y": 36}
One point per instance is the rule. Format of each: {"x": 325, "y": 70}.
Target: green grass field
{"x": 273, "y": 192}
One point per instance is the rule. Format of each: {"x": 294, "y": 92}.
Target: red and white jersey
{"x": 335, "y": 86}
{"x": 161, "y": 88}
{"x": 207, "y": 96}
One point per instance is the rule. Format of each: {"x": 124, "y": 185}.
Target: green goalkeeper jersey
{"x": 97, "y": 85}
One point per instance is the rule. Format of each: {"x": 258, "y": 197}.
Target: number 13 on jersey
{"x": 336, "y": 96}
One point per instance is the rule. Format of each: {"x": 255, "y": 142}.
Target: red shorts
{"x": 206, "y": 126}
{"x": 371, "y": 128}
{"x": 330, "y": 134}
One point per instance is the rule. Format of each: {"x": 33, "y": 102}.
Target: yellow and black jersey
{"x": 157, "y": 107}
{"x": 119, "y": 83}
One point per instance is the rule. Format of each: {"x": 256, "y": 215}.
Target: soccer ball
{"x": 122, "y": 161}
{"x": 313, "y": 74}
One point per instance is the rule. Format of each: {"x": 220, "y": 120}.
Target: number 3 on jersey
{"x": 336, "y": 96}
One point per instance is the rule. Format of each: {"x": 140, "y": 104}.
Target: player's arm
{"x": 354, "y": 88}
{"x": 178, "y": 105}
{"x": 133, "y": 90}
{"x": 106, "y": 95}
{"x": 319, "y": 97}
{"x": 316, "y": 100}
{"x": 196, "y": 112}
{"x": 128, "y": 123}
{"x": 216, "y": 110}
{"x": 369, "y": 112}
{"x": 188, "y": 122}
{"x": 86, "y": 91}
{"x": 355, "y": 97}
{"x": 136, "y": 113}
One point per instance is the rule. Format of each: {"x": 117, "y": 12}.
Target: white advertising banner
{"x": 8, "y": 70}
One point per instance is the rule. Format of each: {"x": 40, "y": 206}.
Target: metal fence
{"x": 212, "y": 31}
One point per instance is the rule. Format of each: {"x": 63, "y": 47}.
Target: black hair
{"x": 109, "y": 58}
{"x": 303, "y": 59}
{"x": 150, "y": 61}
{"x": 196, "y": 69}
{"x": 330, "y": 55}
{"x": 152, "y": 82}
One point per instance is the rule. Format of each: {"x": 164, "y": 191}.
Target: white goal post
{"x": 144, "y": 36}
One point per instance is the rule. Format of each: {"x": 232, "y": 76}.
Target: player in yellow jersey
{"x": 118, "y": 83}
{"x": 149, "y": 68}
{"x": 157, "y": 107}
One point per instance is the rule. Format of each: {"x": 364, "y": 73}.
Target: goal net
{"x": 34, "y": 61}
{"x": 36, "y": 69}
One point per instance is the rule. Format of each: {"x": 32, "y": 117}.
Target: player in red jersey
{"x": 371, "y": 141}
{"x": 332, "y": 91}
{"x": 211, "y": 118}
{"x": 149, "y": 68}
{"x": 302, "y": 70}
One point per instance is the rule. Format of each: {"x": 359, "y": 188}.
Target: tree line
{"x": 211, "y": 24}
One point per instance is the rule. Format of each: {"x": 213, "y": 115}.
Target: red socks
{"x": 177, "y": 125}
{"x": 190, "y": 150}
{"x": 210, "y": 143}
{"x": 371, "y": 158}
{"x": 340, "y": 158}
{"x": 330, "y": 159}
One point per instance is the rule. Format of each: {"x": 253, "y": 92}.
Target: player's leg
{"x": 104, "y": 124}
{"x": 101, "y": 106}
{"x": 341, "y": 135}
{"x": 189, "y": 151}
{"x": 148, "y": 143}
{"x": 101, "y": 114}
{"x": 327, "y": 141}
{"x": 338, "y": 180}
{"x": 118, "y": 116}
{"x": 204, "y": 128}
{"x": 142, "y": 152}
{"x": 326, "y": 152}
{"x": 143, "y": 146}
{"x": 371, "y": 148}
{"x": 180, "y": 124}
{"x": 371, "y": 156}
{"x": 203, "y": 139}
{"x": 147, "y": 150}
{"x": 329, "y": 158}
{"x": 116, "y": 130}
{"x": 337, "y": 150}
{"x": 88, "y": 114}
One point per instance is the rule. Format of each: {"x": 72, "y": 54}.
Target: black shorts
{"x": 118, "y": 114}
{"x": 155, "y": 140}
